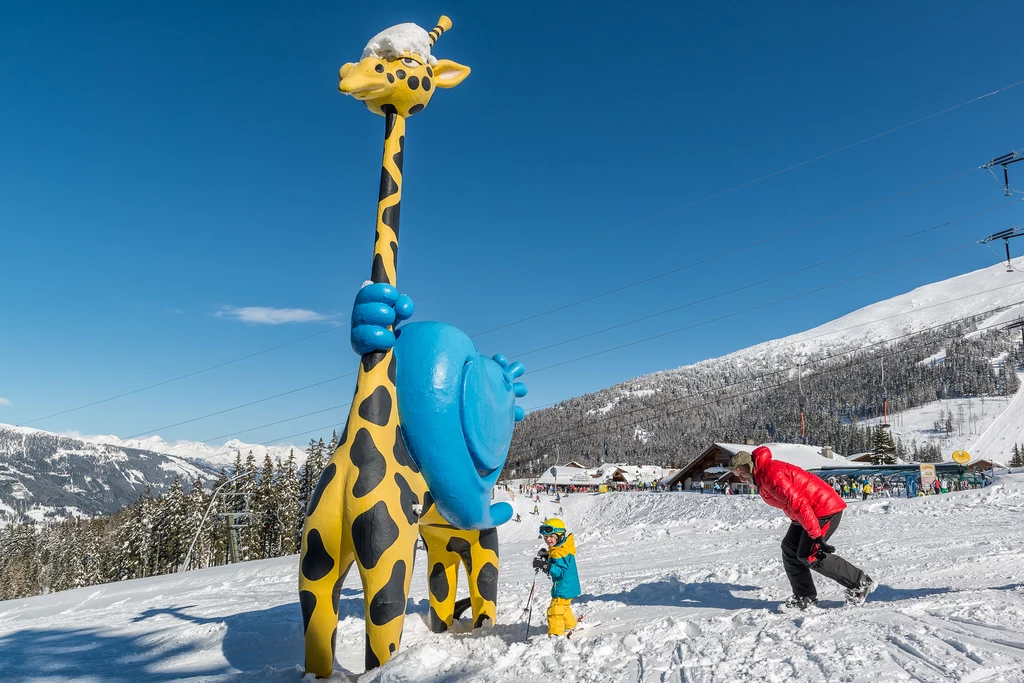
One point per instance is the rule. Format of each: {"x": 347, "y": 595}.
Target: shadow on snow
{"x": 259, "y": 641}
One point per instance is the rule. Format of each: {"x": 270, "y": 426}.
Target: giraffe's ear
{"x": 448, "y": 74}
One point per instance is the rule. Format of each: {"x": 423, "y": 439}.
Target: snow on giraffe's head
{"x": 397, "y": 72}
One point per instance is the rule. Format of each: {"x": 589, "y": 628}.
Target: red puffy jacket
{"x": 803, "y": 496}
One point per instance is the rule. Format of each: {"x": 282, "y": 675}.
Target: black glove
{"x": 541, "y": 561}
{"x": 822, "y": 547}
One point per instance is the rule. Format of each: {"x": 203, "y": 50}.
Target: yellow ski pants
{"x": 560, "y": 616}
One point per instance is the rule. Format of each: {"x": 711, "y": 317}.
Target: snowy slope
{"x": 677, "y": 587}
{"x": 917, "y": 310}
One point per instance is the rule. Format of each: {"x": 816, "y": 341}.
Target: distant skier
{"x": 536, "y": 510}
{"x": 816, "y": 511}
{"x": 558, "y": 560}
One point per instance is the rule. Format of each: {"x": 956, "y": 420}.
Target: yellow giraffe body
{"x": 365, "y": 506}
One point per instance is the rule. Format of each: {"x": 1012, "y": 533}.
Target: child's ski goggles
{"x": 548, "y": 530}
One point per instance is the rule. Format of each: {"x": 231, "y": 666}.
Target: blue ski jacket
{"x": 565, "y": 580}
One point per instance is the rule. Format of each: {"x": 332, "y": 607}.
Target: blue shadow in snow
{"x": 251, "y": 642}
{"x": 675, "y": 593}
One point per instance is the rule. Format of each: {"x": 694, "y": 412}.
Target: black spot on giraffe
{"x": 415, "y": 108}
{"x": 389, "y": 601}
{"x": 414, "y": 82}
{"x": 388, "y": 187}
{"x": 392, "y": 648}
{"x": 370, "y": 463}
{"x": 377, "y": 273}
{"x": 373, "y": 532}
{"x": 390, "y": 215}
{"x": 393, "y": 364}
{"x": 379, "y": 68}
{"x": 307, "y": 601}
{"x": 461, "y": 546}
{"x": 371, "y": 359}
{"x": 428, "y": 502}
{"x": 394, "y": 250}
{"x": 334, "y": 644}
{"x": 481, "y": 620}
{"x": 391, "y": 78}
{"x": 402, "y": 456}
{"x": 487, "y": 582}
{"x": 437, "y": 624}
{"x": 461, "y": 605}
{"x": 390, "y": 116}
{"x": 438, "y": 582}
{"x": 430, "y": 72}
{"x": 326, "y": 477}
{"x": 407, "y": 498}
{"x": 400, "y": 73}
{"x": 489, "y": 540}
{"x": 426, "y": 84}
{"x": 317, "y": 562}
{"x": 371, "y": 659}
{"x": 376, "y": 407}
{"x": 344, "y": 434}
{"x": 399, "y": 156}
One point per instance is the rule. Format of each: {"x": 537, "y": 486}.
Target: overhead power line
{"x": 588, "y": 241}
{"x": 824, "y": 334}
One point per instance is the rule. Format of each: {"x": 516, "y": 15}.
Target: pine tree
{"x": 883, "y": 448}
{"x": 1018, "y": 456}
{"x": 292, "y": 516}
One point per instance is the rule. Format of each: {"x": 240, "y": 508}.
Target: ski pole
{"x": 529, "y": 604}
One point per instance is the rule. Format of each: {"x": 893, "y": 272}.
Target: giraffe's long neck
{"x": 389, "y": 202}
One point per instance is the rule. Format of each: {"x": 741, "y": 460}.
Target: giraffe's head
{"x": 398, "y": 73}
{"x": 457, "y": 409}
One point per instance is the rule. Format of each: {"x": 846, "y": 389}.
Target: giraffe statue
{"x": 411, "y": 425}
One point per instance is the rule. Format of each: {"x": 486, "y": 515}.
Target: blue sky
{"x": 165, "y": 167}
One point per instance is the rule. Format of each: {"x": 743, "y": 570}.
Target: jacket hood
{"x": 762, "y": 456}
{"x": 565, "y": 548}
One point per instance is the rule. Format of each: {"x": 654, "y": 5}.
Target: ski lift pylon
{"x": 1004, "y": 161}
{"x": 1006, "y": 236}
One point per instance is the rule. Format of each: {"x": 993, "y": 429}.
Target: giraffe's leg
{"x": 483, "y": 577}
{"x": 385, "y": 571}
{"x": 322, "y": 569}
{"x": 443, "y": 566}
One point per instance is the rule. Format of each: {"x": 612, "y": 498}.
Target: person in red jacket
{"x": 816, "y": 511}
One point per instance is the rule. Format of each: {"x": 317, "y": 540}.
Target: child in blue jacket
{"x": 565, "y": 581}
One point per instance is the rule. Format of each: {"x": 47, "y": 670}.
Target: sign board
{"x": 603, "y": 488}
{"x": 927, "y": 475}
{"x": 961, "y": 457}
{"x": 911, "y": 486}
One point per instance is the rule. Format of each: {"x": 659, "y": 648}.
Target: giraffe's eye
{"x": 409, "y": 62}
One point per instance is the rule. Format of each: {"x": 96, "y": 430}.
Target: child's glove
{"x": 541, "y": 561}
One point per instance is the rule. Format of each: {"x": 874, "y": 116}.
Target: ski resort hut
{"x": 712, "y": 465}
{"x": 566, "y": 475}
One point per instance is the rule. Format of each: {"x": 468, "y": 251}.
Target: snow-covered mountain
{"x": 45, "y": 475}
{"x": 919, "y": 310}
{"x": 676, "y": 587}
{"x": 204, "y": 454}
{"x": 668, "y": 417}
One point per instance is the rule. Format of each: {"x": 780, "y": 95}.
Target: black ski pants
{"x": 796, "y": 558}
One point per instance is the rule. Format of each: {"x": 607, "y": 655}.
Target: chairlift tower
{"x": 1005, "y": 161}
{"x": 1006, "y": 236}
